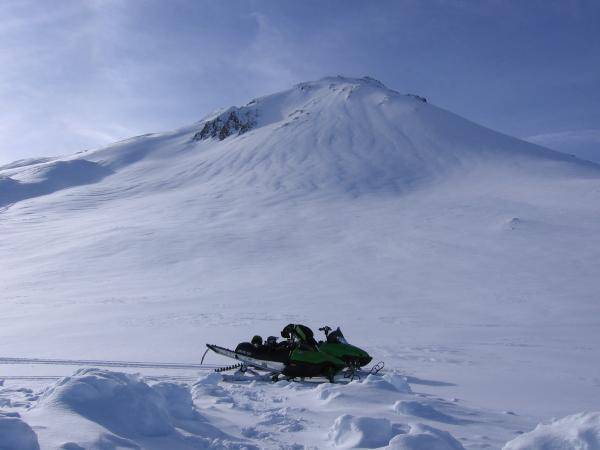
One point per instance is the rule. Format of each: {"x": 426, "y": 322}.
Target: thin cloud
{"x": 584, "y": 144}
{"x": 591, "y": 135}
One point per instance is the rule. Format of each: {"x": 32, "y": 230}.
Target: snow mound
{"x": 112, "y": 410}
{"x": 177, "y": 400}
{"x": 16, "y": 434}
{"x": 120, "y": 402}
{"x": 400, "y": 382}
{"x": 43, "y": 179}
{"x": 390, "y": 381}
{"x": 577, "y": 432}
{"x": 372, "y": 389}
{"x": 208, "y": 385}
{"x": 424, "y": 437}
{"x": 327, "y": 392}
{"x": 361, "y": 432}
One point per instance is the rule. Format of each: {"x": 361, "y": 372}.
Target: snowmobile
{"x": 299, "y": 355}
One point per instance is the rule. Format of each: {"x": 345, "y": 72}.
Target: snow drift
{"x": 370, "y": 432}
{"x": 361, "y": 432}
{"x": 118, "y": 401}
{"x": 575, "y": 432}
{"x": 16, "y": 434}
{"x": 48, "y": 177}
{"x": 421, "y": 437}
{"x": 96, "y": 408}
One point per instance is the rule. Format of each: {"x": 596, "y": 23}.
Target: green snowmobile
{"x": 299, "y": 355}
{"x": 337, "y": 346}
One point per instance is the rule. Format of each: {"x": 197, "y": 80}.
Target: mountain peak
{"x": 343, "y": 80}
{"x": 353, "y": 135}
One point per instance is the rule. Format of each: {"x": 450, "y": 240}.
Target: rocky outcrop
{"x": 229, "y": 123}
{"x": 418, "y": 97}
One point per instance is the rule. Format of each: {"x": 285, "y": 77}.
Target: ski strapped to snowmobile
{"x": 299, "y": 355}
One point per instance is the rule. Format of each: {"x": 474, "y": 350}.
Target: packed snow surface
{"x": 464, "y": 258}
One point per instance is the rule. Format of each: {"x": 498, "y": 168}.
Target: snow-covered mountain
{"x": 466, "y": 258}
{"x": 337, "y": 134}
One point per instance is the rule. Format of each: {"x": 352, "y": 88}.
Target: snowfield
{"x": 467, "y": 260}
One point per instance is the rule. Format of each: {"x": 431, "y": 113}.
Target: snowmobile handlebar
{"x": 326, "y": 329}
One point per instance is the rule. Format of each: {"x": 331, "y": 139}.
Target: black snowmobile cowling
{"x": 300, "y": 355}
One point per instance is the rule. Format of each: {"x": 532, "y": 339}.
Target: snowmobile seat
{"x": 264, "y": 352}
{"x": 301, "y": 334}
{"x": 285, "y": 345}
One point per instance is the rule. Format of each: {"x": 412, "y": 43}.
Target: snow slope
{"x": 465, "y": 258}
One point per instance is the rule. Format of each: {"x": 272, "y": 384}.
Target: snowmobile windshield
{"x": 337, "y": 337}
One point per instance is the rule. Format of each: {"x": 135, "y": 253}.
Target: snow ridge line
{"x": 103, "y": 363}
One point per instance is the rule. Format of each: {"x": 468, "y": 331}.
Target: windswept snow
{"x": 94, "y": 408}
{"x": 465, "y": 258}
{"x": 45, "y": 178}
{"x": 361, "y": 432}
{"x": 579, "y": 431}
{"x": 421, "y": 437}
{"x": 101, "y": 409}
{"x": 16, "y": 434}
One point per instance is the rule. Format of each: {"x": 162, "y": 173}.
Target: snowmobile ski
{"x": 268, "y": 366}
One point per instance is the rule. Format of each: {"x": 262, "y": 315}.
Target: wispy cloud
{"x": 591, "y": 135}
{"x": 581, "y": 143}
{"x": 270, "y": 53}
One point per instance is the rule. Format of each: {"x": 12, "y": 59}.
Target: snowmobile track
{"x": 105, "y": 363}
{"x": 58, "y": 377}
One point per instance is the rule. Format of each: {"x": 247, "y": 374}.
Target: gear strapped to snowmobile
{"x": 299, "y": 355}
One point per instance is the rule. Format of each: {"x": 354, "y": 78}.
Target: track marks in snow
{"x": 104, "y": 363}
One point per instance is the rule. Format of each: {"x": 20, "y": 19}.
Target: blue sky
{"x": 81, "y": 74}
